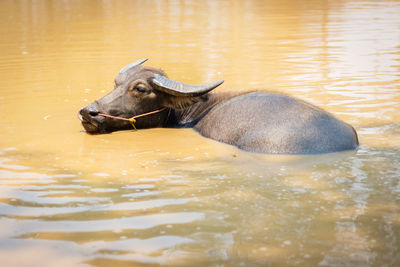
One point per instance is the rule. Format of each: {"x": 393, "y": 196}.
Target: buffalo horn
{"x": 180, "y": 89}
{"x": 133, "y": 64}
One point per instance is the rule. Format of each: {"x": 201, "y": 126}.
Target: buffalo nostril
{"x": 88, "y": 112}
{"x": 93, "y": 113}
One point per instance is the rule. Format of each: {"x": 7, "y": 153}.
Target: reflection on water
{"x": 170, "y": 196}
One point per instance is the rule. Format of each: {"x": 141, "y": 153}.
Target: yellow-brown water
{"x": 170, "y": 196}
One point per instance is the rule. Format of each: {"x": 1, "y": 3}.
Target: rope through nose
{"x": 132, "y": 120}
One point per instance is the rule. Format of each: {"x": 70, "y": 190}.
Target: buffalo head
{"x": 140, "y": 90}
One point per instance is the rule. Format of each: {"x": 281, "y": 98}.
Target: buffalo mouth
{"x": 90, "y": 126}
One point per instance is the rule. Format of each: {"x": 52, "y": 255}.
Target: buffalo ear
{"x": 182, "y": 102}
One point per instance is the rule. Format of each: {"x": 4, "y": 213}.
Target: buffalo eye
{"x": 140, "y": 88}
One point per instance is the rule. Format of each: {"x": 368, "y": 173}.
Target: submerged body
{"x": 261, "y": 122}
{"x": 271, "y": 123}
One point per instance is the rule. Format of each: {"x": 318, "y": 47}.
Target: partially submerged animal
{"x": 261, "y": 122}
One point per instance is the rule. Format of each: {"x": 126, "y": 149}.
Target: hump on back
{"x": 262, "y": 122}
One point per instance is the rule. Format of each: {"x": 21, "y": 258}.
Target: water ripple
{"x": 18, "y": 227}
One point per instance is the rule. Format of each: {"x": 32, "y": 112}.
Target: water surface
{"x": 170, "y": 196}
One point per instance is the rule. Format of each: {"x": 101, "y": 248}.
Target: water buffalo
{"x": 263, "y": 122}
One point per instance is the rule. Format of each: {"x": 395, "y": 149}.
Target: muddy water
{"x": 170, "y": 196}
